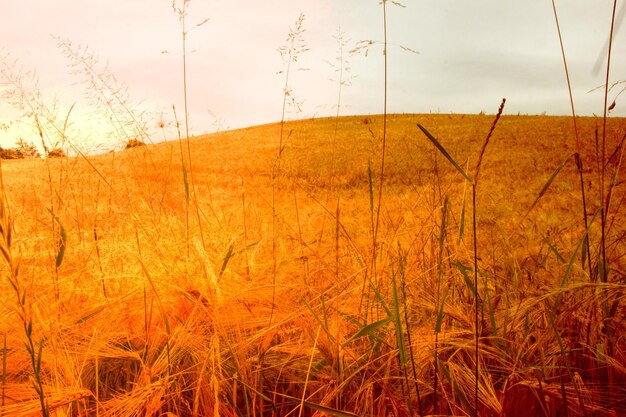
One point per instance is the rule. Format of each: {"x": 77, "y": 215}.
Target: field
{"x": 276, "y": 281}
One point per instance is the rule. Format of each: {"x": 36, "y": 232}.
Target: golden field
{"x": 274, "y": 281}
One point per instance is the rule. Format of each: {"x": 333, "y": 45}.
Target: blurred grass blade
{"x": 61, "y": 242}
{"x": 324, "y": 323}
{"x": 318, "y": 407}
{"x": 462, "y": 220}
{"x": 572, "y": 260}
{"x": 380, "y": 299}
{"x": 546, "y": 186}
{"x": 229, "y": 255}
{"x": 492, "y": 316}
{"x": 257, "y": 392}
{"x": 440, "y": 311}
{"x": 370, "y": 181}
{"x": 102, "y": 308}
{"x": 186, "y": 183}
{"x": 446, "y": 374}
{"x": 368, "y": 330}
{"x": 565, "y": 355}
{"x": 556, "y": 252}
{"x": 464, "y": 270}
{"x": 445, "y": 153}
{"x": 156, "y": 294}
{"x": 398, "y": 320}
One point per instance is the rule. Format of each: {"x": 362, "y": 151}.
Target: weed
{"x": 23, "y": 308}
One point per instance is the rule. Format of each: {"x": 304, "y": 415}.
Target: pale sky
{"x": 471, "y": 54}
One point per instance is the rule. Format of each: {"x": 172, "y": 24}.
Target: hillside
{"x": 261, "y": 280}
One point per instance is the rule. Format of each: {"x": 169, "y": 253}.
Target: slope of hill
{"x": 263, "y": 277}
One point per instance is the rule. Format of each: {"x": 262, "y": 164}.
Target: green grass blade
{"x": 62, "y": 241}
{"x": 324, "y": 323}
{"x": 398, "y": 320}
{"x": 38, "y": 358}
{"x": 368, "y": 330}
{"x": 464, "y": 272}
{"x": 61, "y": 251}
{"x": 462, "y": 222}
{"x": 440, "y": 312}
{"x": 492, "y": 316}
{"x": 445, "y": 153}
{"x": 572, "y": 260}
{"x": 229, "y": 255}
{"x": 547, "y": 185}
{"x": 186, "y": 183}
{"x": 442, "y": 232}
{"x": 556, "y": 252}
{"x": 381, "y": 300}
{"x": 370, "y": 180}
{"x": 565, "y": 356}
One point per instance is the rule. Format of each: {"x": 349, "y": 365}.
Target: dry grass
{"x": 142, "y": 326}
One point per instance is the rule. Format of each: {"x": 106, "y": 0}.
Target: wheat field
{"x": 255, "y": 282}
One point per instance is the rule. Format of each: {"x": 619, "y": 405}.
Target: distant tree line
{"x": 26, "y": 150}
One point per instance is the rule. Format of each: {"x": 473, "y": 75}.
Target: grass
{"x": 115, "y": 304}
{"x": 185, "y": 332}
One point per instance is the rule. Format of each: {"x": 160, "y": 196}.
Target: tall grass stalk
{"x": 579, "y": 164}
{"x": 604, "y": 270}
{"x": 384, "y": 142}
{"x": 184, "y": 31}
{"x": 452, "y": 161}
{"x": 364, "y": 45}
{"x": 308, "y": 372}
{"x": 52, "y": 194}
{"x": 185, "y": 181}
{"x": 290, "y": 53}
{"x": 245, "y": 227}
{"x": 401, "y": 271}
{"x": 397, "y": 318}
{"x": 440, "y": 301}
{"x": 340, "y": 65}
{"x": 474, "y": 226}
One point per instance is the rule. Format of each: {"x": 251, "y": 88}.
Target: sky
{"x": 444, "y": 56}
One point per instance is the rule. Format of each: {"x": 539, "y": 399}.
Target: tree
{"x": 27, "y": 150}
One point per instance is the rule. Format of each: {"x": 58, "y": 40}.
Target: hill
{"x": 271, "y": 275}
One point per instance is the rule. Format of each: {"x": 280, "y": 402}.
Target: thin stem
{"x": 384, "y": 145}
{"x": 184, "y": 168}
{"x": 569, "y": 86}
{"x": 476, "y": 335}
{"x": 291, "y": 51}
{"x": 191, "y": 172}
{"x": 604, "y": 276}
{"x": 578, "y": 149}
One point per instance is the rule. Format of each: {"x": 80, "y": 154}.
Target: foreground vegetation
{"x": 257, "y": 282}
